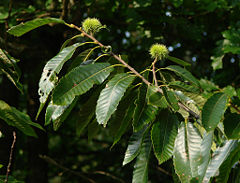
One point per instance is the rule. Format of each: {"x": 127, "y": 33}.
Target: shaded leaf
{"x": 171, "y": 99}
{"x": 178, "y": 61}
{"x": 23, "y": 28}
{"x": 86, "y": 112}
{"x": 155, "y": 98}
{"x": 8, "y": 66}
{"x": 213, "y": 111}
{"x": 183, "y": 73}
{"x": 111, "y": 95}
{"x": 124, "y": 123}
{"x": 163, "y": 135}
{"x": 140, "y": 172}
{"x": 143, "y": 113}
{"x": 15, "y": 118}
{"x": 232, "y": 125}
{"x": 183, "y": 87}
{"x": 134, "y": 146}
{"x": 78, "y": 81}
{"x": 82, "y": 59}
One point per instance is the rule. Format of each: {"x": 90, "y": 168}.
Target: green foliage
{"x": 183, "y": 73}
{"x": 111, "y": 95}
{"x": 187, "y": 157}
{"x": 140, "y": 172}
{"x": 218, "y": 158}
{"x": 78, "y": 81}
{"x": 213, "y": 111}
{"x": 18, "y": 119}
{"x": 8, "y": 66}
{"x": 23, "y": 28}
{"x": 232, "y": 125}
{"x": 143, "y": 113}
{"x": 225, "y": 169}
{"x": 163, "y": 135}
{"x": 140, "y": 98}
{"x": 134, "y": 146}
{"x": 178, "y": 61}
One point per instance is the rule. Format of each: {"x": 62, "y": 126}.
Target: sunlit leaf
{"x": 213, "y": 111}
{"x": 110, "y": 96}
{"x": 50, "y": 71}
{"x": 134, "y": 146}
{"x": 78, "y": 81}
{"x": 226, "y": 167}
{"x": 187, "y": 152}
{"x": 140, "y": 172}
{"x": 218, "y": 158}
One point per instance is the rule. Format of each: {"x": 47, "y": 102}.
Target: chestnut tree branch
{"x": 128, "y": 66}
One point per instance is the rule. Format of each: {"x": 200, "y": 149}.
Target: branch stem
{"x": 154, "y": 73}
{"x": 10, "y": 157}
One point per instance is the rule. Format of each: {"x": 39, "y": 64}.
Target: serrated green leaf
{"x": 70, "y": 39}
{"x": 140, "y": 172}
{"x": 134, "y": 146}
{"x": 171, "y": 99}
{"x": 81, "y": 59}
{"x": 213, "y": 111}
{"x": 183, "y": 87}
{"x": 155, "y": 98}
{"x": 86, "y": 112}
{"x": 197, "y": 98}
{"x": 178, "y": 61}
{"x": 183, "y": 73}
{"x": 124, "y": 124}
{"x": 232, "y": 125}
{"x": 205, "y": 154}
{"x": 53, "y": 112}
{"x": 188, "y": 102}
{"x": 187, "y": 153}
{"x": 226, "y": 167}
{"x": 15, "y": 118}
{"x": 218, "y": 157}
{"x": 143, "y": 113}
{"x": 111, "y": 95}
{"x": 50, "y": 71}
{"x": 163, "y": 135}
{"x": 23, "y": 28}
{"x": 78, "y": 81}
{"x": 208, "y": 85}
{"x": 58, "y": 113}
